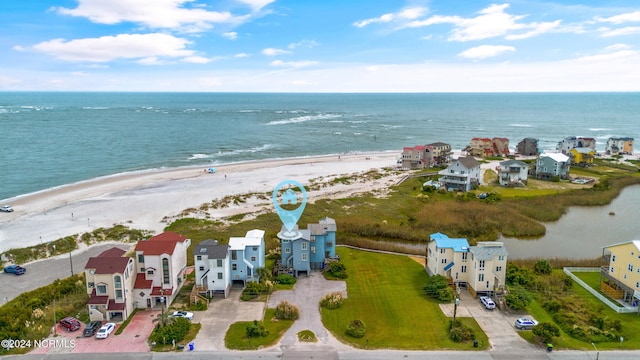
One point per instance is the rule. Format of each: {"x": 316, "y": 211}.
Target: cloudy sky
{"x": 320, "y": 46}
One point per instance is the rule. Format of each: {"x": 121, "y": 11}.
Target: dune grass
{"x": 385, "y": 291}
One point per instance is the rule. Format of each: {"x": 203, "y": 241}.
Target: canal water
{"x": 583, "y": 231}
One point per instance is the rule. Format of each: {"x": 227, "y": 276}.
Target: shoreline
{"x": 142, "y": 199}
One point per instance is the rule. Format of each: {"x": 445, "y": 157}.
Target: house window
{"x": 313, "y": 249}
{"x": 481, "y": 264}
{"x": 219, "y": 276}
{"x": 140, "y": 258}
{"x": 464, "y": 256}
{"x": 219, "y": 263}
{"x": 464, "y": 268}
{"x": 612, "y": 269}
{"x": 255, "y": 248}
{"x": 253, "y": 258}
{"x": 304, "y": 256}
{"x": 287, "y": 251}
{"x": 481, "y": 277}
{"x": 303, "y": 246}
{"x": 234, "y": 266}
{"x": 117, "y": 282}
{"x": 199, "y": 257}
{"x": 165, "y": 270}
{"x": 442, "y": 251}
{"x": 101, "y": 290}
{"x": 149, "y": 272}
{"x": 501, "y": 258}
{"x": 630, "y": 267}
{"x": 201, "y": 268}
{"x": 613, "y": 258}
{"x": 118, "y": 294}
{"x": 498, "y": 268}
{"x": 487, "y": 284}
{"x": 234, "y": 255}
{"x": 91, "y": 285}
{"x": 444, "y": 261}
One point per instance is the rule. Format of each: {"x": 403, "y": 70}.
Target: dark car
{"x": 70, "y": 323}
{"x": 14, "y": 269}
{"x": 91, "y": 328}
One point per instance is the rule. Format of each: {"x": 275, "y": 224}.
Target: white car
{"x": 105, "y": 330}
{"x": 525, "y": 323}
{"x": 6, "y": 208}
{"x": 182, "y": 314}
{"x": 487, "y": 302}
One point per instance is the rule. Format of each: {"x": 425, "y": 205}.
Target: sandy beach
{"x": 143, "y": 199}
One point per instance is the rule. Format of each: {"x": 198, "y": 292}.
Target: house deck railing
{"x": 613, "y": 305}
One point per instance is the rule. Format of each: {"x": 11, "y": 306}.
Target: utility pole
{"x": 597, "y": 352}
{"x": 54, "y": 318}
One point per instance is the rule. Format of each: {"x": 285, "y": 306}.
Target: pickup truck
{"x": 14, "y": 269}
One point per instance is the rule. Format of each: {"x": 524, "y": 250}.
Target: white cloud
{"x": 169, "y": 14}
{"x": 616, "y": 47}
{"x": 622, "y": 18}
{"x": 304, "y": 43}
{"x": 274, "y": 52}
{"x": 232, "y": 35}
{"x": 256, "y": 5}
{"x": 151, "y": 60}
{"x": 197, "y": 60}
{"x": 241, "y": 55}
{"x": 628, "y": 30}
{"x": 485, "y": 51}
{"x": 404, "y": 15}
{"x": 608, "y": 56}
{"x": 295, "y": 64}
{"x": 491, "y": 22}
{"x": 123, "y": 46}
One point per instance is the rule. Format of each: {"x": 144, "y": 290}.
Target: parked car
{"x": 182, "y": 314}
{"x": 105, "y": 330}
{"x": 6, "y": 208}
{"x": 91, "y": 328}
{"x": 525, "y": 323}
{"x": 487, "y": 302}
{"x": 70, "y": 323}
{"x": 14, "y": 269}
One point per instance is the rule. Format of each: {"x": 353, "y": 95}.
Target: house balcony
{"x": 455, "y": 180}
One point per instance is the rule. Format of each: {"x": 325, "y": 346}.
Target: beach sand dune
{"x": 141, "y": 200}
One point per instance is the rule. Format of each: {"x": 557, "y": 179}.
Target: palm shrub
{"x": 356, "y": 328}
{"x": 256, "y": 329}
{"x": 332, "y": 300}
{"x": 287, "y": 311}
{"x": 176, "y": 330}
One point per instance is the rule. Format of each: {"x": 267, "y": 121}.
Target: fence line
{"x": 614, "y": 306}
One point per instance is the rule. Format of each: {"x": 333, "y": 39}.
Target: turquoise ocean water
{"x": 52, "y": 139}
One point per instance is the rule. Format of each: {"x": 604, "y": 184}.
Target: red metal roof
{"x": 156, "y": 291}
{"x": 113, "y": 305}
{"x": 164, "y": 243}
{"x": 142, "y": 283}
{"x": 108, "y": 263}
{"x": 113, "y": 252}
{"x": 97, "y": 300}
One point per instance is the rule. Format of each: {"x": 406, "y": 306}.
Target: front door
{"x": 148, "y": 302}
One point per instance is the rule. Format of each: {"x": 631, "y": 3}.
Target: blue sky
{"x": 320, "y": 46}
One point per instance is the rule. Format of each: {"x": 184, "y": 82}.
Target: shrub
{"x": 356, "y": 328}
{"x": 458, "y": 332}
{"x": 176, "y": 330}
{"x": 438, "y": 287}
{"x": 552, "y": 306}
{"x": 337, "y": 270}
{"x": 542, "y": 267}
{"x": 518, "y": 298}
{"x": 256, "y": 329}
{"x": 286, "y": 279}
{"x": 287, "y": 311}
{"x": 546, "y": 331}
{"x": 332, "y": 300}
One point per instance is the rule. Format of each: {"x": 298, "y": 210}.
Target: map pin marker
{"x": 289, "y": 196}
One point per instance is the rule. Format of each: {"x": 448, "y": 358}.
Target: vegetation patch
{"x": 307, "y": 336}
{"x": 237, "y": 339}
{"x": 287, "y": 311}
{"x": 438, "y": 288}
{"x": 356, "y": 328}
{"x": 332, "y": 300}
{"x": 335, "y": 270}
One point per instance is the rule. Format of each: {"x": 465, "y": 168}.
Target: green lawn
{"x": 385, "y": 291}
{"x": 236, "y": 337}
{"x": 592, "y": 279}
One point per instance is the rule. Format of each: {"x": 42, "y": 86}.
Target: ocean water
{"x": 52, "y": 139}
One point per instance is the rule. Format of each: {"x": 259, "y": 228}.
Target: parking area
{"x": 133, "y": 338}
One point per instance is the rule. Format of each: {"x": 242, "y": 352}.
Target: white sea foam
{"x": 301, "y": 119}
{"x": 199, "y": 156}
{"x": 599, "y": 129}
{"x": 243, "y": 151}
{"x": 521, "y": 125}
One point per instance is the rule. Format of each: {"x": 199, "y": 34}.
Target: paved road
{"x": 46, "y": 271}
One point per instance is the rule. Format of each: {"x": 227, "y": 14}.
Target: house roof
{"x": 212, "y": 249}
{"x": 488, "y": 251}
{"x": 583, "y": 150}
{"x": 438, "y": 144}
{"x": 113, "y": 305}
{"x": 164, "y": 243}
{"x": 252, "y": 238}
{"x": 156, "y": 291}
{"x": 142, "y": 282}
{"x": 109, "y": 262}
{"x": 97, "y": 299}
{"x": 443, "y": 241}
{"x": 324, "y": 225}
{"x": 512, "y": 162}
{"x": 469, "y": 162}
{"x": 636, "y": 243}
{"x": 556, "y": 156}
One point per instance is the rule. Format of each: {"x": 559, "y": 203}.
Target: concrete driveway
{"x": 306, "y": 295}
{"x": 220, "y": 315}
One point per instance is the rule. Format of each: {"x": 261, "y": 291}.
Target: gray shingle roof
{"x": 469, "y": 162}
{"x": 488, "y": 252}
{"x": 212, "y": 249}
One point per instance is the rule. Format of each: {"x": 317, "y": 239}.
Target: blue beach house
{"x": 307, "y": 249}
{"x": 247, "y": 254}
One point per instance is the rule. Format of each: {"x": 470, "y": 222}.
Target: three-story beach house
{"x": 461, "y": 175}
{"x": 488, "y": 273}
{"x": 448, "y": 257}
{"x": 551, "y": 165}
{"x": 110, "y": 278}
{"x": 512, "y": 172}
{"x": 304, "y": 250}
{"x": 212, "y": 267}
{"x": 247, "y": 254}
{"x": 620, "y": 272}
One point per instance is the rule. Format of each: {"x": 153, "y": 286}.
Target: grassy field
{"x": 236, "y": 337}
{"x": 385, "y": 291}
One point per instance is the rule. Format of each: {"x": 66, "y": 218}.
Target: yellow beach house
{"x": 621, "y": 272}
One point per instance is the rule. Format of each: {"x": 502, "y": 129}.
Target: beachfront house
{"x": 512, "y": 173}
{"x": 619, "y": 146}
{"x": 484, "y": 147}
{"x": 417, "y": 157}
{"x": 110, "y": 278}
{"x": 304, "y": 250}
{"x": 212, "y": 267}
{"x": 582, "y": 156}
{"x": 620, "y": 272}
{"x": 461, "y": 175}
{"x": 441, "y": 153}
{"x": 552, "y": 165}
{"x": 487, "y": 274}
{"x": 448, "y": 257}
{"x": 247, "y": 254}
{"x": 160, "y": 269}
{"x": 528, "y": 147}
{"x": 572, "y": 142}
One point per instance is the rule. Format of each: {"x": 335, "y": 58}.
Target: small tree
{"x": 337, "y": 270}
{"x": 518, "y": 298}
{"x": 438, "y": 287}
{"x": 546, "y": 332}
{"x": 256, "y": 329}
{"x": 356, "y": 328}
{"x": 287, "y": 311}
{"x": 542, "y": 267}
